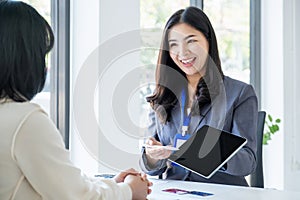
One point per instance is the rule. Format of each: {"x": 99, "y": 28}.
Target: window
{"x": 231, "y": 21}
{"x": 149, "y": 17}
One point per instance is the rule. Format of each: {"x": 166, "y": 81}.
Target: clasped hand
{"x": 137, "y": 181}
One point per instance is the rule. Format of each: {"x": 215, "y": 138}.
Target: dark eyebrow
{"x": 187, "y": 37}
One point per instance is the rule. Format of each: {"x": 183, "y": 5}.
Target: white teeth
{"x": 187, "y": 61}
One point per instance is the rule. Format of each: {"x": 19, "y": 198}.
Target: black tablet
{"x": 207, "y": 151}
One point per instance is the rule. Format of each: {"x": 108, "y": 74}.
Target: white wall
{"x": 281, "y": 91}
{"x": 291, "y": 74}
{"x": 119, "y": 55}
{"x": 272, "y": 87}
{"x": 84, "y": 40}
{"x": 104, "y": 50}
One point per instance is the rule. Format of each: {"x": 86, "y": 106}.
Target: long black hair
{"x": 170, "y": 79}
{"x": 25, "y": 39}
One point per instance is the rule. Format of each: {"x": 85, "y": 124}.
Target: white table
{"x": 220, "y": 192}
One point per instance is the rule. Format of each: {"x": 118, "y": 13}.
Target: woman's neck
{"x": 192, "y": 86}
{"x": 193, "y": 81}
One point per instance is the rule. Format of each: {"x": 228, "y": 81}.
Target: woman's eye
{"x": 191, "y": 41}
{"x": 172, "y": 45}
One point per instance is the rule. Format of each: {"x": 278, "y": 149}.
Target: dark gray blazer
{"x": 234, "y": 110}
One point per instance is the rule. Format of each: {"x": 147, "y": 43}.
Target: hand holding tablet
{"x": 207, "y": 150}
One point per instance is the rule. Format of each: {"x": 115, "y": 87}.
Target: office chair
{"x": 257, "y": 177}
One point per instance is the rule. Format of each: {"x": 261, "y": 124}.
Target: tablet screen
{"x": 207, "y": 150}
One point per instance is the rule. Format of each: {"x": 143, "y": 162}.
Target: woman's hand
{"x": 139, "y": 186}
{"x": 137, "y": 181}
{"x": 122, "y": 175}
{"x": 156, "y": 153}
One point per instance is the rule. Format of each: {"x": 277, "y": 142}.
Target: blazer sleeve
{"x": 160, "y": 166}
{"x": 39, "y": 152}
{"x": 244, "y": 123}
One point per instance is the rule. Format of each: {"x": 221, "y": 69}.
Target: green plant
{"x": 272, "y": 126}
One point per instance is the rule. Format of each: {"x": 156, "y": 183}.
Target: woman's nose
{"x": 183, "y": 50}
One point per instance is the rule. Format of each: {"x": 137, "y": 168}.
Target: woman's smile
{"x": 189, "y": 62}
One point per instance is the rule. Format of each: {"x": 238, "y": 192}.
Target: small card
{"x": 164, "y": 147}
{"x": 181, "y": 192}
{"x": 105, "y": 175}
{"x": 179, "y": 139}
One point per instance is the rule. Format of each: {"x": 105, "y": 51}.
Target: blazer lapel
{"x": 196, "y": 120}
{"x": 217, "y": 112}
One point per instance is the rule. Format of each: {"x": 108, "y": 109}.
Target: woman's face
{"x": 188, "y": 48}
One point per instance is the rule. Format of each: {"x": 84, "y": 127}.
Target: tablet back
{"x": 207, "y": 150}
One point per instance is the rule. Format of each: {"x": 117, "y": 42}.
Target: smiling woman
{"x": 189, "y": 67}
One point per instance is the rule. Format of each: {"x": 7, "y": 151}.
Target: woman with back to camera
{"x": 33, "y": 161}
{"x": 192, "y": 91}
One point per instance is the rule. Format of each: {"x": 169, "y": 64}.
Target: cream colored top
{"x": 35, "y": 165}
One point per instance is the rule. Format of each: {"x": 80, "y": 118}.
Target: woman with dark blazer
{"x": 192, "y": 91}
